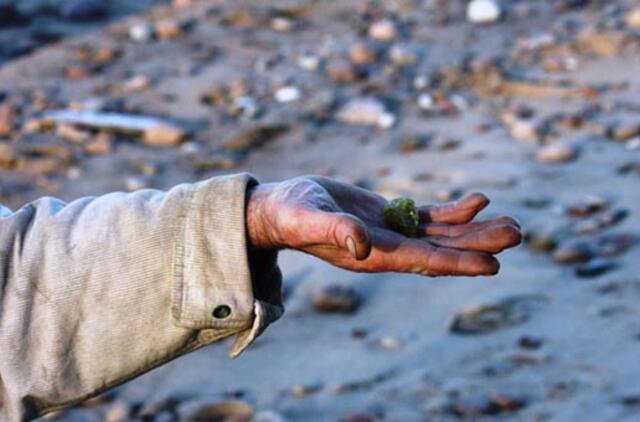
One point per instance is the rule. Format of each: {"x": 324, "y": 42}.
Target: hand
{"x": 344, "y": 225}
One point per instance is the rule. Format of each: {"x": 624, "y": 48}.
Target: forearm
{"x": 103, "y": 289}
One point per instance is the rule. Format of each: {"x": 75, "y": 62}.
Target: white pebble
{"x": 483, "y": 11}
{"x": 309, "y": 62}
{"x": 141, "y": 32}
{"x": 425, "y": 102}
{"x": 287, "y": 94}
{"x": 383, "y": 30}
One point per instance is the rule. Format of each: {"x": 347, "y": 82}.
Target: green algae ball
{"x": 401, "y": 215}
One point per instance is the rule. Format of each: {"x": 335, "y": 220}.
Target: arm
{"x": 98, "y": 291}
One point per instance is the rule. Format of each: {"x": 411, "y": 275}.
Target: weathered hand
{"x": 344, "y": 225}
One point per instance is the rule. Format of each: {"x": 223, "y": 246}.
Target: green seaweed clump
{"x": 401, "y": 215}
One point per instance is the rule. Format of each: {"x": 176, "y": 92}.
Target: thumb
{"x": 342, "y": 230}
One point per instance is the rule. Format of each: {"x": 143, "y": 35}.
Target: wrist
{"x": 256, "y": 216}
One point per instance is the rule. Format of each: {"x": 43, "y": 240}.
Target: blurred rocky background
{"x": 535, "y": 103}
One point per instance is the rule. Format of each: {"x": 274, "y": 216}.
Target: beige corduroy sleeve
{"x": 100, "y": 290}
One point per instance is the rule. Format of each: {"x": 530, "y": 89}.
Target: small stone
{"x": 513, "y": 310}
{"x": 71, "y": 133}
{"x": 336, "y": 298}
{"x": 541, "y": 241}
{"x": 625, "y": 131}
{"x": 100, "y": 144}
{"x": 478, "y": 406}
{"x": 134, "y": 183}
{"x": 383, "y": 30}
{"x": 254, "y": 137}
{"x": 83, "y": 10}
{"x": 244, "y": 106}
{"x": 309, "y": 62}
{"x": 530, "y": 342}
{"x": 341, "y": 71}
{"x": 557, "y": 153}
{"x": 363, "y": 53}
{"x": 483, "y": 11}
{"x": 228, "y": 410}
{"x": 365, "y": 111}
{"x": 136, "y": 83}
{"x": 412, "y": 143}
{"x": 141, "y": 32}
{"x": 167, "y": 29}
{"x": 7, "y": 119}
{"x": 402, "y": 55}
{"x": 305, "y": 390}
{"x": 615, "y": 244}
{"x": 401, "y": 215}
{"x": 594, "y": 268}
{"x": 391, "y": 343}
{"x": 287, "y": 94}
{"x": 282, "y": 24}
{"x": 589, "y": 205}
{"x": 164, "y": 135}
{"x": 632, "y": 18}
{"x": 268, "y": 416}
{"x": 573, "y": 252}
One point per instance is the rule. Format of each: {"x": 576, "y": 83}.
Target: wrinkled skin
{"x": 344, "y": 225}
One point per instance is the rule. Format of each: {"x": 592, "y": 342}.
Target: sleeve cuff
{"x": 215, "y": 279}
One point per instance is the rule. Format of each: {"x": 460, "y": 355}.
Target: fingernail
{"x": 351, "y": 245}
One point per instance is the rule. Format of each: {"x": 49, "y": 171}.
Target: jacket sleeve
{"x": 101, "y": 290}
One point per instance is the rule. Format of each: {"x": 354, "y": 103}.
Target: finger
{"x": 491, "y": 239}
{"x": 419, "y": 257}
{"x": 453, "y": 230}
{"x": 457, "y": 212}
{"x": 337, "y": 229}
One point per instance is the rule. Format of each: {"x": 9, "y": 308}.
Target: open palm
{"x": 344, "y": 225}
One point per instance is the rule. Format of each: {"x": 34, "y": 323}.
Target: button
{"x": 221, "y": 312}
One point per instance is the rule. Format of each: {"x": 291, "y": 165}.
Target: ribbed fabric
{"x": 98, "y": 291}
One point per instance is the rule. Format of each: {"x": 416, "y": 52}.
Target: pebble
{"x": 530, "y": 342}
{"x": 71, "y": 133}
{"x": 305, "y": 390}
{"x": 282, "y": 24}
{"x": 342, "y": 71}
{"x": 483, "y": 11}
{"x": 589, "y": 205}
{"x": 268, "y": 416}
{"x": 557, "y": 153}
{"x": 136, "y": 83}
{"x": 478, "y": 406}
{"x": 100, "y": 144}
{"x": 632, "y": 18}
{"x": 83, "y": 10}
{"x": 615, "y": 244}
{"x": 308, "y": 62}
{"x": 336, "y": 298}
{"x": 168, "y": 29}
{"x": 572, "y": 252}
{"x": 513, "y": 310}
{"x": 204, "y": 410}
{"x": 363, "y": 53}
{"x": 164, "y": 135}
{"x": 244, "y": 106}
{"x": 136, "y": 182}
{"x": 366, "y": 111}
{"x": 541, "y": 241}
{"x": 383, "y": 30}
{"x": 287, "y": 94}
{"x": 594, "y": 268}
{"x": 141, "y": 32}
{"x": 402, "y": 55}
{"x": 7, "y": 119}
